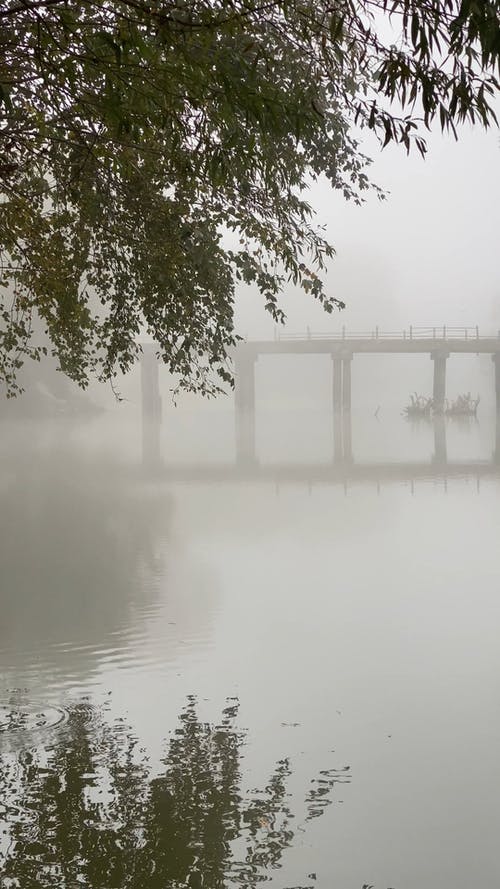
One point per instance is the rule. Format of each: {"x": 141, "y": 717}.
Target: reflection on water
{"x": 357, "y": 624}
{"x": 83, "y": 548}
{"x": 75, "y": 544}
{"x": 88, "y": 812}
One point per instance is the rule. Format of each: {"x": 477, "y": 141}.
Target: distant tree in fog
{"x": 155, "y": 152}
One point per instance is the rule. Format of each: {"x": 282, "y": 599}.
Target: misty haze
{"x": 253, "y": 637}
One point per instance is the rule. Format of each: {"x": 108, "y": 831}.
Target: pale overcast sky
{"x": 429, "y": 254}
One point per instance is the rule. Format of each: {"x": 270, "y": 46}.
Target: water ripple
{"x": 29, "y": 716}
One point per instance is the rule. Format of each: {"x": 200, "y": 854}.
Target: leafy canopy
{"x": 155, "y": 152}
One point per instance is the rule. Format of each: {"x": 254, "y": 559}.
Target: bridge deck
{"x": 372, "y": 345}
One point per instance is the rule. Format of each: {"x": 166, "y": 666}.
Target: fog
{"x": 424, "y": 256}
{"x": 323, "y": 573}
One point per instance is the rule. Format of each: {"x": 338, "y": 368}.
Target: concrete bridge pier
{"x": 337, "y": 408}
{"x": 439, "y": 384}
{"x": 244, "y": 398}
{"x": 440, "y": 449}
{"x": 151, "y": 406}
{"x": 496, "y": 363}
{"x": 346, "y": 408}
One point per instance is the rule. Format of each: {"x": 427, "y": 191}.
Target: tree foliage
{"x": 153, "y": 153}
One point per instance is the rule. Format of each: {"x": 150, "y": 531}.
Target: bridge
{"x": 342, "y": 346}
{"x": 438, "y": 342}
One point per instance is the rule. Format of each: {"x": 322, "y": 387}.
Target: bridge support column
{"x": 151, "y": 407}
{"x": 244, "y": 397}
{"x": 346, "y": 408}
{"x": 440, "y": 449}
{"x": 439, "y": 385}
{"x": 346, "y": 382}
{"x": 496, "y": 363}
{"x": 337, "y": 408}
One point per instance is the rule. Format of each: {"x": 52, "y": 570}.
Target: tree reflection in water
{"x": 87, "y": 813}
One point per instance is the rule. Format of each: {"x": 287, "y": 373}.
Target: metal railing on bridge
{"x": 412, "y": 333}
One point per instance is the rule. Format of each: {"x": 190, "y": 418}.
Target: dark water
{"x": 245, "y": 681}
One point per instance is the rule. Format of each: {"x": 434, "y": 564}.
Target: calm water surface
{"x": 222, "y": 684}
